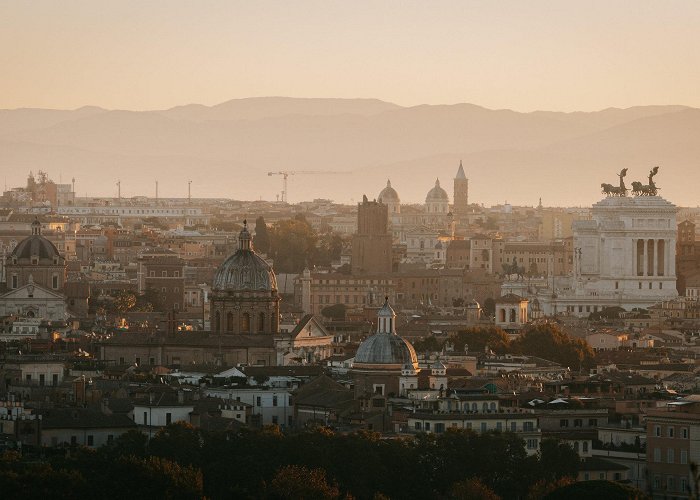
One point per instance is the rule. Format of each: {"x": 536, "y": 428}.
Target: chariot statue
{"x": 651, "y": 189}
{"x": 621, "y": 190}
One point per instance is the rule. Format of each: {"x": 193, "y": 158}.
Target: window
{"x": 417, "y": 426}
{"x": 657, "y": 455}
{"x": 121, "y": 360}
{"x": 483, "y": 426}
{"x": 91, "y": 440}
{"x": 671, "y": 456}
{"x": 110, "y": 438}
{"x": 274, "y": 400}
{"x": 670, "y": 431}
{"x": 73, "y": 440}
{"x": 42, "y": 380}
{"x": 670, "y": 483}
{"x": 513, "y": 426}
{"x": 440, "y": 428}
{"x": 684, "y": 457}
{"x": 258, "y": 401}
{"x": 657, "y": 431}
{"x": 152, "y": 274}
{"x": 145, "y": 418}
{"x": 164, "y": 274}
{"x": 563, "y": 423}
{"x": 592, "y": 422}
{"x": 28, "y": 377}
{"x": 528, "y": 426}
{"x": 684, "y": 433}
{"x": 168, "y": 418}
{"x": 499, "y": 426}
{"x": 532, "y": 444}
{"x": 578, "y": 422}
{"x": 684, "y": 484}
{"x": 274, "y": 419}
{"x": 14, "y": 281}
{"x": 54, "y": 379}
{"x": 54, "y": 282}
{"x": 584, "y": 447}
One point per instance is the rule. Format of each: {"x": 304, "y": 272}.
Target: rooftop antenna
{"x": 189, "y": 192}
{"x": 119, "y": 190}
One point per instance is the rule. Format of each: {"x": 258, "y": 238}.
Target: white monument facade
{"x": 624, "y": 256}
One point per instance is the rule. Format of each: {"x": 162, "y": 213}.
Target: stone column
{"x": 634, "y": 257}
{"x": 645, "y": 261}
{"x": 672, "y": 259}
{"x": 655, "y": 246}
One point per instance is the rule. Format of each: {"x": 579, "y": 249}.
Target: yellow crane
{"x": 286, "y": 173}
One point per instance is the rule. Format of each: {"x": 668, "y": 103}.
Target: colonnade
{"x": 653, "y": 257}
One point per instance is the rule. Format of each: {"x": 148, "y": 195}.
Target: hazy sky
{"x": 520, "y": 54}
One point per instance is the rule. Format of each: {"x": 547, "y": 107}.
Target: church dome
{"x": 385, "y": 349}
{"x": 388, "y": 194}
{"x": 245, "y": 269}
{"x": 35, "y": 246}
{"x": 437, "y": 193}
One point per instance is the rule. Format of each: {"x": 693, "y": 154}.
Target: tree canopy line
{"x": 293, "y": 244}
{"x": 182, "y": 462}
{"x": 546, "y": 341}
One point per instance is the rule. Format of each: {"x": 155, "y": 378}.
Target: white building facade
{"x": 623, "y": 257}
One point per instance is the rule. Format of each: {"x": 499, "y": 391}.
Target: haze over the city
{"x": 416, "y": 61}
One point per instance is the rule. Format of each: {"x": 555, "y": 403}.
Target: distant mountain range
{"x": 228, "y": 149}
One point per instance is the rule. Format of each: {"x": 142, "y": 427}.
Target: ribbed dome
{"x": 388, "y": 194}
{"x": 385, "y": 350}
{"x": 35, "y": 246}
{"x": 245, "y": 269}
{"x": 437, "y": 193}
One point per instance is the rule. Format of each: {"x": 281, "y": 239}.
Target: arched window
{"x": 576, "y": 446}
{"x": 217, "y": 321}
{"x": 261, "y": 322}
{"x": 229, "y": 322}
{"x": 245, "y": 323}
{"x": 502, "y": 315}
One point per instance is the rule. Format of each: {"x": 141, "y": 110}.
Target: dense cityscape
{"x": 149, "y": 328}
{"x": 335, "y": 250}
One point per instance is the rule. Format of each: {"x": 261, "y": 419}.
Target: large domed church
{"x": 244, "y": 324}
{"x": 35, "y": 274}
{"x": 244, "y": 298}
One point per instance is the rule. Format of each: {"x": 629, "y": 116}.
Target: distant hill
{"x": 227, "y": 149}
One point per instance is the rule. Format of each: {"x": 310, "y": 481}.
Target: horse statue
{"x": 610, "y": 190}
{"x": 513, "y": 269}
{"x": 650, "y": 189}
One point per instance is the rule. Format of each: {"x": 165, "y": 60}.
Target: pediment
{"x": 31, "y": 291}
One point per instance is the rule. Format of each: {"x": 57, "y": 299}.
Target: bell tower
{"x": 461, "y": 192}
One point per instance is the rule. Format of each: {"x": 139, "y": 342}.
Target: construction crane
{"x": 286, "y": 173}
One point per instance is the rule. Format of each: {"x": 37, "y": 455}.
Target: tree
{"x": 295, "y": 481}
{"x": 550, "y": 342}
{"x": 151, "y": 300}
{"x": 428, "y": 344}
{"x": 292, "y": 244}
{"x": 596, "y": 489}
{"x": 477, "y": 338}
{"x": 472, "y": 489}
{"x": 261, "y": 240}
{"x": 557, "y": 460}
{"x": 124, "y": 301}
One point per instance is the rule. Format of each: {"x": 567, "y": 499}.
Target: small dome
{"x": 35, "y": 246}
{"x": 245, "y": 269}
{"x": 473, "y": 304}
{"x": 437, "y": 193}
{"x": 385, "y": 350}
{"x": 388, "y": 194}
